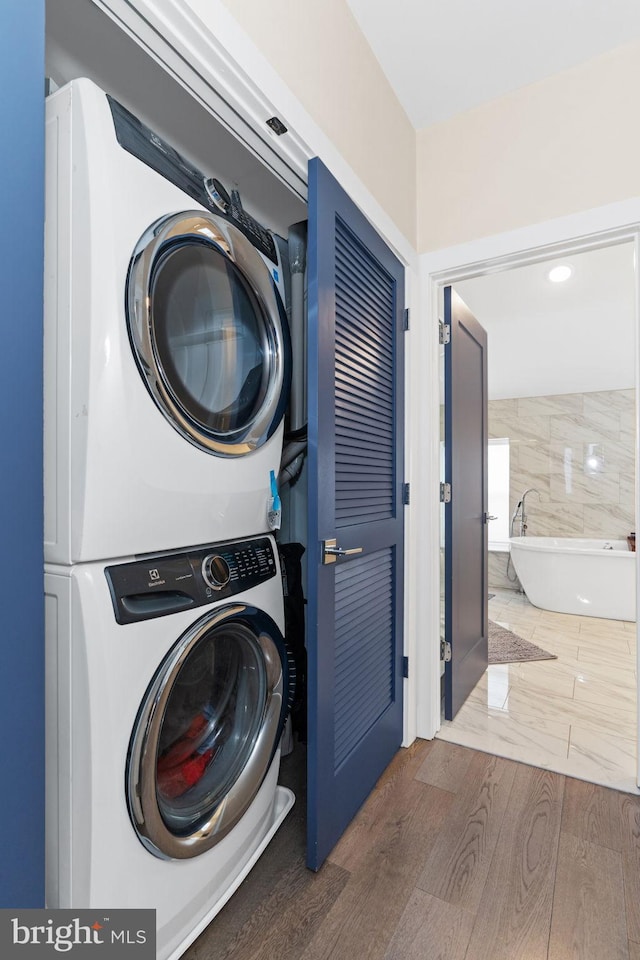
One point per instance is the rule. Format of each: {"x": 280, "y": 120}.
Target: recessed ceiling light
{"x": 560, "y": 273}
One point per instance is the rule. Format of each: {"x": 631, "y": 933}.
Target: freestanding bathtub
{"x": 592, "y": 578}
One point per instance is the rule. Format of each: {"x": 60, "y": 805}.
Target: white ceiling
{"x": 549, "y": 338}
{"x": 445, "y": 56}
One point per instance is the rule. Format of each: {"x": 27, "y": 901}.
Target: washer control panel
{"x": 167, "y": 583}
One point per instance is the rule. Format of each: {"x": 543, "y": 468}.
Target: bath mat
{"x": 508, "y": 647}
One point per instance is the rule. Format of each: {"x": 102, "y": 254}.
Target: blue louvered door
{"x": 355, "y": 400}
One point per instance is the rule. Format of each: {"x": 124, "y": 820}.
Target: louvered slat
{"x": 350, "y": 312}
{"x": 364, "y": 647}
{"x": 354, "y": 620}
{"x": 364, "y": 383}
{"x": 367, "y": 273}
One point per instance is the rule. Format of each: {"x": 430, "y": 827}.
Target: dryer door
{"x": 209, "y": 332}
{"x": 207, "y": 731}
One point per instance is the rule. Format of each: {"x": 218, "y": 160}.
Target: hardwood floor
{"x": 456, "y": 855}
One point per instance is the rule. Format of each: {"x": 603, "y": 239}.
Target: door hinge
{"x": 405, "y": 319}
{"x": 444, "y": 332}
{"x": 445, "y": 651}
{"x": 406, "y": 493}
{"x": 405, "y": 667}
{"x": 445, "y": 493}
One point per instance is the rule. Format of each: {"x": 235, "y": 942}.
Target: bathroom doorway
{"x": 562, "y": 401}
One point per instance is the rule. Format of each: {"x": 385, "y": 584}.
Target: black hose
{"x": 295, "y": 435}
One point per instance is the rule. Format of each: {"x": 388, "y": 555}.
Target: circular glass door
{"x": 206, "y": 732}
{"x": 209, "y": 332}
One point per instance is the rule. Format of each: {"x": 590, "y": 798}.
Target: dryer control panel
{"x": 136, "y": 138}
{"x": 167, "y": 583}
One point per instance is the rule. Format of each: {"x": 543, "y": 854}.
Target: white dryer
{"x": 167, "y": 353}
{"x": 167, "y": 688}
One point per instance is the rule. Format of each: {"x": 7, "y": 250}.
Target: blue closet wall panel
{"x": 22, "y": 625}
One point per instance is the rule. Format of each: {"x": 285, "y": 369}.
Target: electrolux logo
{"x": 46, "y": 933}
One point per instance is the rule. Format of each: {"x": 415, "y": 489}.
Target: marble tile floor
{"x": 576, "y": 715}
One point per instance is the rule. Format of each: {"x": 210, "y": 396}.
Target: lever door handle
{"x": 331, "y": 551}
{"x": 340, "y": 552}
{"x": 489, "y": 516}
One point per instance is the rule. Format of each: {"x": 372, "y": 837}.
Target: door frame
{"x": 565, "y": 236}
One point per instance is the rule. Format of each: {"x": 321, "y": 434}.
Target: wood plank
{"x": 591, "y": 812}
{"x": 364, "y": 919}
{"x": 445, "y": 766}
{"x": 430, "y": 928}
{"x": 369, "y": 823}
{"x": 457, "y": 868}
{"x": 283, "y": 923}
{"x": 514, "y": 914}
{"x": 587, "y": 920}
{"x": 630, "y": 827}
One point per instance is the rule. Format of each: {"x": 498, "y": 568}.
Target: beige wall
{"x": 564, "y": 145}
{"x": 320, "y": 53}
{"x": 560, "y": 146}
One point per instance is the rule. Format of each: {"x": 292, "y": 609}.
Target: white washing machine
{"x": 167, "y": 353}
{"x": 167, "y": 688}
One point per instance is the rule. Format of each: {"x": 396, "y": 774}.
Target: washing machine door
{"x": 209, "y": 332}
{"x": 207, "y": 731}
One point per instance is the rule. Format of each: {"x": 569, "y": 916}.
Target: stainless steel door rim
{"x": 218, "y": 814}
{"x": 223, "y": 245}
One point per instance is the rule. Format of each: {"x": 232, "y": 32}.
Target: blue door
{"x": 355, "y": 400}
{"x": 466, "y": 450}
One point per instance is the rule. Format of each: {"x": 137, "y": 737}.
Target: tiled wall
{"x": 577, "y": 449}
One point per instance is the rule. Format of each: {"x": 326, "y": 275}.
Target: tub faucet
{"x": 514, "y": 517}
{"x": 523, "y": 516}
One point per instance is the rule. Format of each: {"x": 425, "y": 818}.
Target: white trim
{"x": 413, "y": 451}
{"x": 427, "y": 518}
{"x": 592, "y": 228}
{"x": 636, "y": 263}
{"x": 176, "y": 39}
{"x": 599, "y": 227}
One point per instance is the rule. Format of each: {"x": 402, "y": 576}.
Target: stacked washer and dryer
{"x": 167, "y": 372}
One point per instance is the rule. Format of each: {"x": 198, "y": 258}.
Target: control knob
{"x": 215, "y": 571}
{"x": 217, "y": 194}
